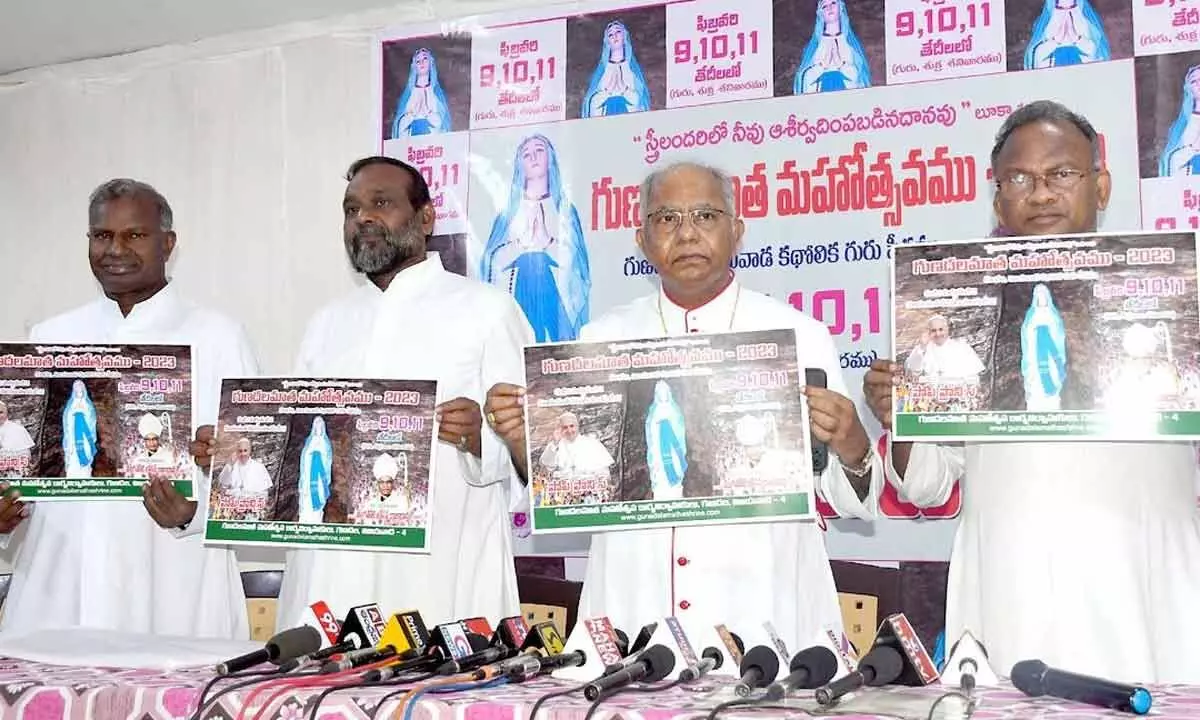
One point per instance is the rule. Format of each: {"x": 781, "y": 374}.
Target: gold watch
{"x": 864, "y": 465}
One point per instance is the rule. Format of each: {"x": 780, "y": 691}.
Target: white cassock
{"x": 428, "y": 324}
{"x": 1083, "y": 555}
{"x": 14, "y": 438}
{"x": 740, "y": 575}
{"x": 106, "y": 564}
{"x": 585, "y": 455}
{"x": 248, "y": 478}
{"x": 952, "y": 360}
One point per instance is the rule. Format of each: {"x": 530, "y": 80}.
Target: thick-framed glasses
{"x": 669, "y": 220}
{"x": 1021, "y": 184}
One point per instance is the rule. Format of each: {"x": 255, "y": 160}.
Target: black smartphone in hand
{"x": 815, "y": 377}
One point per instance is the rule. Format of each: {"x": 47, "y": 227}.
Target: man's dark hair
{"x": 1046, "y": 111}
{"x": 418, "y": 189}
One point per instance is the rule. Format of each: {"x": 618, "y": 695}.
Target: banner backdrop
{"x": 850, "y": 128}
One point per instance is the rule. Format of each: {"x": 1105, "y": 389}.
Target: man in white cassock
{"x": 387, "y": 503}
{"x": 154, "y": 451}
{"x": 15, "y": 445}
{"x": 1083, "y": 555}
{"x": 575, "y": 455}
{"x": 244, "y": 476}
{"x": 134, "y": 567}
{"x": 739, "y": 575}
{"x": 415, "y": 320}
{"x": 939, "y": 357}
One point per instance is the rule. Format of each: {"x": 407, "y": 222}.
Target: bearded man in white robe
{"x": 705, "y": 575}
{"x": 1081, "y": 554}
{"x": 414, "y": 320}
{"x": 137, "y": 568}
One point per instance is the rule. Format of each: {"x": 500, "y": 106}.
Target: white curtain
{"x": 247, "y": 136}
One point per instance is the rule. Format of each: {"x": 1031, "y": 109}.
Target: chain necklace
{"x": 662, "y": 320}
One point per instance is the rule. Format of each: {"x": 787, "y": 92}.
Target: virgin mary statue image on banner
{"x": 834, "y": 59}
{"x": 316, "y": 468}
{"x": 80, "y": 438}
{"x": 666, "y": 444}
{"x": 617, "y": 86}
{"x": 422, "y": 108}
{"x": 1181, "y": 153}
{"x": 1068, "y": 32}
{"x": 1043, "y": 352}
{"x": 536, "y": 251}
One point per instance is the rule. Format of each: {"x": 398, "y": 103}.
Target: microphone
{"x": 511, "y": 632}
{"x": 622, "y": 641}
{"x": 712, "y": 661}
{"x": 408, "y": 660}
{"x": 635, "y": 650}
{"x": 1035, "y": 679}
{"x": 655, "y": 664}
{"x": 323, "y": 653}
{"x": 364, "y": 622}
{"x": 357, "y": 658}
{"x": 810, "y": 668}
{"x": 481, "y": 654}
{"x": 286, "y": 645}
{"x": 879, "y": 667}
{"x": 322, "y": 618}
{"x": 758, "y": 668}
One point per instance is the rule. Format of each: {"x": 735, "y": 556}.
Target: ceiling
{"x": 47, "y": 32}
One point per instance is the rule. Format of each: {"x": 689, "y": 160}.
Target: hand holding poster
{"x": 696, "y": 430}
{"x": 1055, "y": 338}
{"x": 323, "y": 463}
{"x": 94, "y": 422}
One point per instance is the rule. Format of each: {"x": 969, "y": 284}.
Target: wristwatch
{"x": 863, "y": 467}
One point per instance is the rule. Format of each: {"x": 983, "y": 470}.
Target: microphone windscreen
{"x": 1028, "y": 676}
{"x": 820, "y": 662}
{"x": 622, "y": 641}
{"x": 886, "y": 662}
{"x": 294, "y": 642}
{"x": 763, "y": 658}
{"x": 660, "y": 661}
{"x": 737, "y": 640}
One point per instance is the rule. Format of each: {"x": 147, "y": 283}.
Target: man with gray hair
{"x": 708, "y": 575}
{"x": 118, "y": 565}
{"x": 1083, "y": 555}
{"x": 939, "y": 357}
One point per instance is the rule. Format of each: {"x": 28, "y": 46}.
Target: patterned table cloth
{"x": 36, "y": 691}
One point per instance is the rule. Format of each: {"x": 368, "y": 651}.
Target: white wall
{"x": 248, "y": 137}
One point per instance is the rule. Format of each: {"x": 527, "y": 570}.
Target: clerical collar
{"x": 160, "y": 304}
{"x": 413, "y": 276}
{"x": 716, "y": 315}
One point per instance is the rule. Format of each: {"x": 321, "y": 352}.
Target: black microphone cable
{"x": 953, "y": 693}
{"x": 556, "y": 694}
{"x": 262, "y": 676}
{"x": 626, "y": 688}
{"x": 394, "y": 682}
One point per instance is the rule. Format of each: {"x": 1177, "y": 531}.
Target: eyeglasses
{"x": 669, "y": 220}
{"x": 1021, "y": 184}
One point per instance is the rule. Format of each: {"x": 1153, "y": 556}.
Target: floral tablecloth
{"x": 36, "y": 691}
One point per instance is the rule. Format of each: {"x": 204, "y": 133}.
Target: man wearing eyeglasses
{"x": 739, "y": 575}
{"x": 1083, "y": 555}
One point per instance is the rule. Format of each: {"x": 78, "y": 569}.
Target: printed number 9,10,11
{"x": 517, "y": 72}
{"x": 829, "y": 307}
{"x": 945, "y": 19}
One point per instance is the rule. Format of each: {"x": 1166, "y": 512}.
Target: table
{"x": 38, "y": 691}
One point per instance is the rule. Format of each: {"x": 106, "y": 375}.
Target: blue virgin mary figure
{"x": 666, "y": 444}
{"x": 535, "y": 250}
{"x": 1181, "y": 153}
{"x": 422, "y": 108}
{"x": 617, "y": 85}
{"x": 316, "y": 463}
{"x": 80, "y": 441}
{"x": 1068, "y": 32}
{"x": 1043, "y": 352}
{"x": 834, "y": 59}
